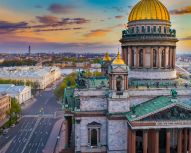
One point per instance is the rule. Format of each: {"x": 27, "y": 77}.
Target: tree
{"x": 60, "y": 89}
{"x": 14, "y": 112}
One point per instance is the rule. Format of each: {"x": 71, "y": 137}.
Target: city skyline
{"x": 78, "y": 26}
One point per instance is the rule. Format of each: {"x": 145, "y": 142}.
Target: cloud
{"x": 9, "y": 25}
{"x": 181, "y": 11}
{"x": 54, "y": 21}
{"x": 46, "y": 23}
{"x": 47, "y": 19}
{"x": 6, "y": 26}
{"x": 118, "y": 9}
{"x": 75, "y": 21}
{"x": 57, "y": 29}
{"x": 119, "y": 17}
{"x": 60, "y": 9}
{"x": 98, "y": 33}
{"x": 102, "y": 32}
{"x": 185, "y": 38}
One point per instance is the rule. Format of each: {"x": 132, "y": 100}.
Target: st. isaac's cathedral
{"x": 139, "y": 105}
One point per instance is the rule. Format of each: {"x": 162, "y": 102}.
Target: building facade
{"x": 5, "y": 105}
{"x": 139, "y": 105}
{"x": 42, "y": 76}
{"x": 21, "y": 93}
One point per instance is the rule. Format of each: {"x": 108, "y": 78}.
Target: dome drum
{"x": 149, "y": 32}
{"x": 149, "y": 43}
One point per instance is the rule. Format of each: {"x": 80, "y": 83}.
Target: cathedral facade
{"x": 139, "y": 105}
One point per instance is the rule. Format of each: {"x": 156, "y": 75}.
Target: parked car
{"x": 5, "y": 131}
{"x": 13, "y": 125}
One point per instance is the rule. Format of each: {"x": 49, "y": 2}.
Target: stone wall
{"x": 93, "y": 104}
{"x": 158, "y": 92}
{"x": 82, "y": 132}
{"x": 117, "y": 136}
{"x": 152, "y": 74}
{"x": 118, "y": 105}
{"x": 90, "y": 92}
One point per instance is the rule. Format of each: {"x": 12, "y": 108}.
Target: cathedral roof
{"x": 118, "y": 60}
{"x": 153, "y": 106}
{"x": 149, "y": 10}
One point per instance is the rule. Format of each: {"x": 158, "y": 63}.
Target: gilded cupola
{"x": 149, "y": 10}
{"x": 118, "y": 60}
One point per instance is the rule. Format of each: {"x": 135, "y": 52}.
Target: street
{"x": 32, "y": 132}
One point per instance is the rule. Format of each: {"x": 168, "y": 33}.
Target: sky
{"x": 78, "y": 25}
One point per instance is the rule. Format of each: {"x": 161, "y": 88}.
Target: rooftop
{"x": 25, "y": 72}
{"x": 11, "y": 89}
{"x": 151, "y": 106}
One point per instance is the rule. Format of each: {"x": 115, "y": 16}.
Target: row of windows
{"x": 149, "y": 29}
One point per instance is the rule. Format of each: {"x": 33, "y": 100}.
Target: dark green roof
{"x": 149, "y": 107}
{"x": 70, "y": 101}
{"x": 98, "y": 82}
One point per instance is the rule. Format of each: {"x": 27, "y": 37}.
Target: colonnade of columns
{"x": 148, "y": 57}
{"x": 151, "y": 141}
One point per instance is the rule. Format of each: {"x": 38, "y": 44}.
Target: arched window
{"x": 148, "y": 29}
{"x": 154, "y": 58}
{"x": 141, "y": 58}
{"x": 119, "y": 83}
{"x": 163, "y": 59}
{"x": 164, "y": 29}
{"x": 132, "y": 58}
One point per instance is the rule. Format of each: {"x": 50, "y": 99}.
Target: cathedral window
{"x": 163, "y": 58}
{"x": 133, "y": 29}
{"x": 164, "y": 29}
{"x": 119, "y": 83}
{"x": 94, "y": 134}
{"x": 159, "y": 30}
{"x": 154, "y": 29}
{"x": 132, "y": 58}
{"x": 141, "y": 58}
{"x": 143, "y": 29}
{"x": 148, "y": 29}
{"x": 154, "y": 58}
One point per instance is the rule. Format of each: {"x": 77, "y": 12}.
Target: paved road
{"x": 32, "y": 133}
{"x": 45, "y": 102}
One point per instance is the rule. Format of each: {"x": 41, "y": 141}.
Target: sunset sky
{"x": 77, "y": 25}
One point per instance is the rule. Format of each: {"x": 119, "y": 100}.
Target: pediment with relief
{"x": 119, "y": 69}
{"x": 174, "y": 113}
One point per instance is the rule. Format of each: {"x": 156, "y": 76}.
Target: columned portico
{"x": 145, "y": 141}
{"x": 152, "y": 140}
{"x": 168, "y": 141}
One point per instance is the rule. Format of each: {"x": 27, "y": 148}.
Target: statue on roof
{"x": 174, "y": 93}
{"x": 80, "y": 81}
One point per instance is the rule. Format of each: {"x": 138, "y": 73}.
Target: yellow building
{"x": 5, "y": 105}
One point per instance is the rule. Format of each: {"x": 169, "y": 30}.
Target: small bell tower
{"x": 118, "y": 77}
{"x": 118, "y": 86}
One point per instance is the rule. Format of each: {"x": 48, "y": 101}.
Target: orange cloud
{"x": 98, "y": 33}
{"x": 119, "y": 17}
{"x": 181, "y": 11}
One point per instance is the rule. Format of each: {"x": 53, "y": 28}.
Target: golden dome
{"x": 107, "y": 58}
{"x": 118, "y": 60}
{"x": 149, "y": 10}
